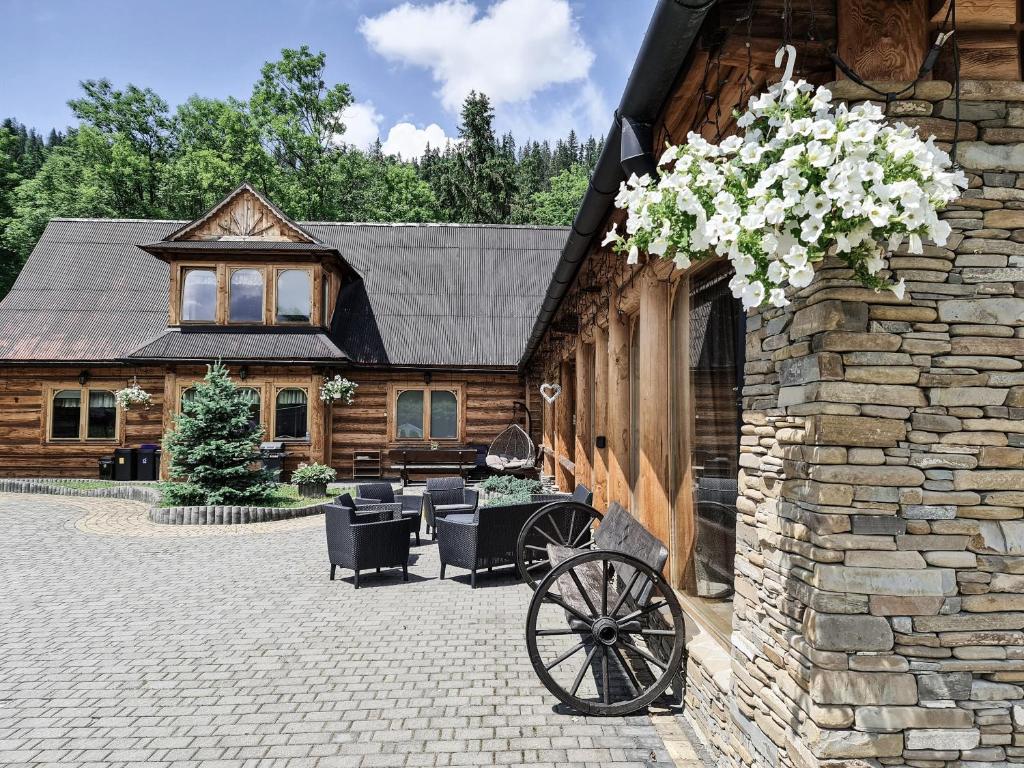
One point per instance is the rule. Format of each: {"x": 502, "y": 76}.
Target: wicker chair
{"x": 383, "y": 493}
{"x": 447, "y": 496}
{"x": 582, "y": 494}
{"x": 484, "y": 539}
{"x": 361, "y": 540}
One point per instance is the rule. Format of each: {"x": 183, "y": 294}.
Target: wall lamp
{"x": 83, "y": 377}
{"x": 243, "y": 372}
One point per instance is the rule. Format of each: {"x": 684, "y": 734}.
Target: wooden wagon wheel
{"x": 629, "y": 636}
{"x": 562, "y": 523}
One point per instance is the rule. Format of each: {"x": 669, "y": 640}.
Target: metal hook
{"x": 790, "y": 55}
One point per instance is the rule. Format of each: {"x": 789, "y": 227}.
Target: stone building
{"x": 848, "y": 535}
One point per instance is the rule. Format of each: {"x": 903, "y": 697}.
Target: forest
{"x": 132, "y": 156}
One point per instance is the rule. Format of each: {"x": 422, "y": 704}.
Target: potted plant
{"x": 312, "y": 479}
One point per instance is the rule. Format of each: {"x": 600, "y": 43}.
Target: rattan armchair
{"x": 484, "y": 539}
{"x": 447, "y": 496}
{"x": 367, "y": 539}
{"x": 411, "y": 506}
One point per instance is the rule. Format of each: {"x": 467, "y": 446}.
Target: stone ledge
{"x": 146, "y": 494}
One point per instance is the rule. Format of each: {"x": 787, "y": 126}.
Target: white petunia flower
{"x": 611, "y": 237}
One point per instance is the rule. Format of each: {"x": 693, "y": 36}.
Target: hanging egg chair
{"x": 512, "y": 449}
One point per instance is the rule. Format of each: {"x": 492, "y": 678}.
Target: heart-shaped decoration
{"x": 550, "y": 392}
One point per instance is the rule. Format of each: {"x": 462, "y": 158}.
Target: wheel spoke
{"x": 537, "y": 564}
{"x": 583, "y": 671}
{"x": 547, "y": 632}
{"x": 564, "y": 656}
{"x": 535, "y": 547}
{"x": 542, "y": 533}
{"x": 551, "y": 598}
{"x": 643, "y": 654}
{"x": 583, "y": 592}
{"x": 572, "y": 523}
{"x": 604, "y": 587}
{"x": 641, "y": 612}
{"x": 633, "y": 682}
{"x": 604, "y": 674}
{"x": 558, "y": 531}
{"x": 659, "y": 632}
{"x": 579, "y": 537}
{"x": 625, "y": 593}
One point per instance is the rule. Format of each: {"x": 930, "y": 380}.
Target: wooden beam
{"x": 653, "y": 497}
{"x": 170, "y": 408}
{"x": 618, "y": 403}
{"x": 316, "y": 421}
{"x": 991, "y": 55}
{"x": 548, "y": 410}
{"x": 584, "y": 414}
{"x": 564, "y": 441}
{"x": 600, "y": 406}
{"x": 882, "y": 39}
{"x": 684, "y": 528}
{"x": 979, "y": 13}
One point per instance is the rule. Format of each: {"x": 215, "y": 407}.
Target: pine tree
{"x": 214, "y": 447}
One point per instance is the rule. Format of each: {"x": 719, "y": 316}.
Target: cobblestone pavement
{"x": 234, "y": 649}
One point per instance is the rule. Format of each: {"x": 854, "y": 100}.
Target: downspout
{"x": 627, "y": 149}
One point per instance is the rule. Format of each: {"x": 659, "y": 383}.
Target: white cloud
{"x": 515, "y": 49}
{"x": 585, "y": 111}
{"x": 362, "y": 125}
{"x": 408, "y": 141}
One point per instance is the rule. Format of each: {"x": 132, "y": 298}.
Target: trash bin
{"x": 272, "y": 455}
{"x": 106, "y": 468}
{"x": 147, "y": 462}
{"x": 124, "y": 463}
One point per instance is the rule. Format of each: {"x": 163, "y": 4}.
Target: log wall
{"x": 487, "y": 408}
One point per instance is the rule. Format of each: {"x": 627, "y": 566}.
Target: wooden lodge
{"x": 827, "y": 476}
{"x": 428, "y": 320}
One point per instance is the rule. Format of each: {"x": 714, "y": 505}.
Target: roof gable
{"x": 244, "y": 215}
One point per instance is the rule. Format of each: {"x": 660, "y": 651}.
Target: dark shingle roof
{"x": 430, "y": 295}
{"x": 175, "y": 344}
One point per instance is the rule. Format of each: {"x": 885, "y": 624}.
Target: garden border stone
{"x": 220, "y": 514}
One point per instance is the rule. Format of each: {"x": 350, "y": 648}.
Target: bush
{"x": 313, "y": 473}
{"x": 506, "y": 489}
{"x": 214, "y": 448}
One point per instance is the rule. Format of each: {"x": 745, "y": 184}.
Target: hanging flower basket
{"x": 338, "y": 389}
{"x": 133, "y": 396}
{"x": 807, "y": 179}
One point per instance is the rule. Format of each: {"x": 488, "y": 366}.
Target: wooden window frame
{"x": 395, "y": 390}
{"x": 83, "y": 415}
{"x": 231, "y": 269}
{"x": 311, "y": 273}
{"x": 321, "y": 279}
{"x": 184, "y": 270}
{"x": 268, "y": 389}
{"x": 276, "y": 389}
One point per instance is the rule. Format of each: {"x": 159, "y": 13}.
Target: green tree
{"x": 299, "y": 119}
{"x": 138, "y": 121}
{"x": 214, "y": 447}
{"x": 558, "y": 204}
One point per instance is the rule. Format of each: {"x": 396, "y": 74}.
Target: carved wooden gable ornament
{"x": 243, "y": 215}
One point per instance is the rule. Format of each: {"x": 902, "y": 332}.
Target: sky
{"x": 547, "y": 65}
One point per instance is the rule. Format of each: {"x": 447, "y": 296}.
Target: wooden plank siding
{"x": 487, "y": 403}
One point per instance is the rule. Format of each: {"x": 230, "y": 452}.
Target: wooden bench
{"x": 616, "y": 601}
{"x": 425, "y": 462}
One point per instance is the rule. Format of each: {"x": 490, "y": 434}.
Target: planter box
{"x": 312, "y": 490}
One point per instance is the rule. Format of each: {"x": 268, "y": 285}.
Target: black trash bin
{"x": 124, "y": 463}
{"x": 106, "y": 468}
{"x": 272, "y": 454}
{"x": 147, "y": 462}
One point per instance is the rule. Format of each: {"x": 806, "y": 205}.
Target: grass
{"x": 89, "y": 485}
{"x": 287, "y": 497}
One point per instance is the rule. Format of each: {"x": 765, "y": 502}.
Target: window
{"x": 246, "y": 296}
{"x": 294, "y": 296}
{"x": 70, "y": 421}
{"x": 325, "y": 306}
{"x": 290, "y": 415}
{"x": 199, "y": 296}
{"x": 252, "y": 395}
{"x": 426, "y": 413}
{"x": 67, "y": 416}
{"x": 102, "y": 419}
{"x": 187, "y": 396}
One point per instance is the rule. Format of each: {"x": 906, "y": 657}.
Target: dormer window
{"x": 199, "y": 296}
{"x": 246, "y": 296}
{"x": 294, "y": 296}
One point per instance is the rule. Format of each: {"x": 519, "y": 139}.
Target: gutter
{"x": 667, "y": 43}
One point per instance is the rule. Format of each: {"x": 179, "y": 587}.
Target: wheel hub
{"x": 606, "y": 631}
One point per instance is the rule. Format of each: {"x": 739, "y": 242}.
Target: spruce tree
{"x": 214, "y": 447}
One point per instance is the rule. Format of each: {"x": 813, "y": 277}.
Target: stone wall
{"x": 879, "y": 608}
